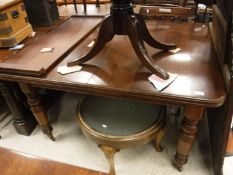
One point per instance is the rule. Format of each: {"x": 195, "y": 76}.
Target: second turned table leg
{"x": 192, "y": 115}
{"x": 35, "y": 102}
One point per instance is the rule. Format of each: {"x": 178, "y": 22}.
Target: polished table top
{"x": 117, "y": 72}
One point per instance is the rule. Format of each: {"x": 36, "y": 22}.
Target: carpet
{"x": 73, "y": 148}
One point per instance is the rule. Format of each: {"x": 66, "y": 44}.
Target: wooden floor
{"x": 16, "y": 163}
{"x": 229, "y": 150}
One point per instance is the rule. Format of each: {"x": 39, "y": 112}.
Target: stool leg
{"x": 109, "y": 153}
{"x": 75, "y": 6}
{"x": 157, "y": 141}
{"x": 158, "y": 138}
{"x": 85, "y": 6}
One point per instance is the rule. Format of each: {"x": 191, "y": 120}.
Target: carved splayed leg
{"x": 104, "y": 36}
{"x": 149, "y": 39}
{"x": 123, "y": 21}
{"x": 139, "y": 47}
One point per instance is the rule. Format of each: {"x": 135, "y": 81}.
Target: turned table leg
{"x": 24, "y": 122}
{"x": 37, "y": 108}
{"x": 192, "y": 115}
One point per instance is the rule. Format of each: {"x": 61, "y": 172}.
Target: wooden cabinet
{"x": 14, "y": 26}
{"x": 220, "y": 118}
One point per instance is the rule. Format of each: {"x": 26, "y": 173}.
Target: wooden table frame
{"x": 95, "y": 79}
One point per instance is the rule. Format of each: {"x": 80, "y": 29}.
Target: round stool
{"x": 115, "y": 124}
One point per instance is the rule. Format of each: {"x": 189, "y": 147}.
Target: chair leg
{"x": 85, "y": 6}
{"x": 75, "y": 6}
{"x": 195, "y": 13}
{"x": 109, "y": 153}
{"x": 97, "y": 3}
{"x": 204, "y": 18}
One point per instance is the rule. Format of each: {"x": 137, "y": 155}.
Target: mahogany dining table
{"x": 116, "y": 72}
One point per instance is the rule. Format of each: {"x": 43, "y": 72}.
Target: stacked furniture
{"x": 14, "y": 25}
{"x": 84, "y": 2}
{"x": 42, "y": 13}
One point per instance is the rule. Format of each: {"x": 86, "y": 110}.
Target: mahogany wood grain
{"x": 13, "y": 162}
{"x": 175, "y": 12}
{"x": 39, "y": 32}
{"x": 192, "y": 115}
{"x": 116, "y": 72}
{"x": 37, "y": 108}
{"x": 30, "y": 61}
{"x": 218, "y": 32}
{"x": 220, "y": 118}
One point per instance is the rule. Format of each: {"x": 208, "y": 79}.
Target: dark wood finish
{"x": 123, "y": 21}
{"x": 42, "y": 12}
{"x": 116, "y": 72}
{"x": 12, "y": 162}
{"x": 226, "y": 8}
{"x": 35, "y": 102}
{"x": 229, "y": 148}
{"x": 115, "y": 81}
{"x": 218, "y": 32}
{"x": 84, "y": 4}
{"x": 205, "y": 2}
{"x": 219, "y": 124}
{"x": 65, "y": 2}
{"x": 172, "y": 13}
{"x": 63, "y": 39}
{"x": 220, "y": 118}
{"x": 24, "y": 122}
{"x": 158, "y": 2}
{"x": 192, "y": 115}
